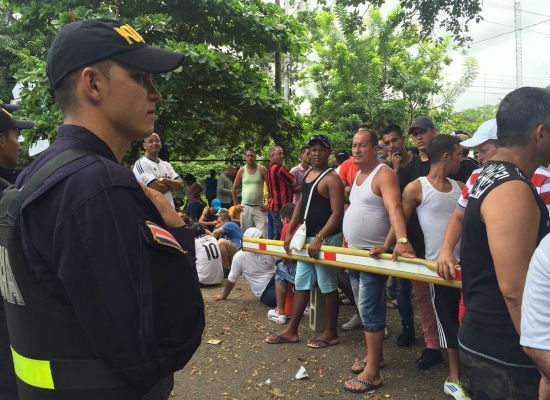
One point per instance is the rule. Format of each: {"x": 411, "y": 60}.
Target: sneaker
{"x": 306, "y": 312}
{"x": 456, "y": 390}
{"x": 354, "y": 322}
{"x": 428, "y": 359}
{"x": 386, "y": 333}
{"x": 276, "y": 317}
{"x": 407, "y": 336}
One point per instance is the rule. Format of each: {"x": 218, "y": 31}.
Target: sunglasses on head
{"x": 318, "y": 137}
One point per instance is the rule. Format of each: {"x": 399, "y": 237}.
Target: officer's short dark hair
{"x": 287, "y": 210}
{"x": 440, "y": 145}
{"x": 521, "y": 111}
{"x": 65, "y": 91}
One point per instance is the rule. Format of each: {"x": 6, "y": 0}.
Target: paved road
{"x": 238, "y": 367}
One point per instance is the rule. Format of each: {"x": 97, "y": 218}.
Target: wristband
{"x": 319, "y": 236}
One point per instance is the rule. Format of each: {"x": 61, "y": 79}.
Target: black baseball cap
{"x": 82, "y": 43}
{"x": 319, "y": 138}
{"x": 341, "y": 155}
{"x": 7, "y": 120}
{"x": 422, "y": 123}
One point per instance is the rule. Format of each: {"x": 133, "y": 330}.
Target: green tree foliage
{"x": 219, "y": 99}
{"x": 452, "y": 15}
{"x": 469, "y": 120}
{"x": 381, "y": 76}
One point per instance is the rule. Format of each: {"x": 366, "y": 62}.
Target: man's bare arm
{"x": 175, "y": 185}
{"x": 217, "y": 232}
{"x": 161, "y": 187}
{"x": 334, "y": 189}
{"x": 512, "y": 238}
{"x": 447, "y": 261}
{"x": 235, "y": 189}
{"x": 226, "y": 290}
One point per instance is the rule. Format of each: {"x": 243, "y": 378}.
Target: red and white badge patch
{"x": 163, "y": 237}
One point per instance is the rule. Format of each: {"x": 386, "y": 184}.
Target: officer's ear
{"x": 94, "y": 83}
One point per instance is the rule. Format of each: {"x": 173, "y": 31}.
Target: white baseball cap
{"x": 486, "y": 131}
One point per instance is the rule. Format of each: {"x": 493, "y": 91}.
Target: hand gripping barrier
{"x": 416, "y": 269}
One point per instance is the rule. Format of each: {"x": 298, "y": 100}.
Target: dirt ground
{"x": 241, "y": 364}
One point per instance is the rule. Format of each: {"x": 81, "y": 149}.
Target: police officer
{"x": 109, "y": 304}
{"x": 9, "y": 158}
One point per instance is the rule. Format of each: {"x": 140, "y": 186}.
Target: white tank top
{"x": 366, "y": 222}
{"x": 434, "y": 213}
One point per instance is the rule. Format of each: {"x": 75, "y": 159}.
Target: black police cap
{"x": 7, "y": 120}
{"x": 86, "y": 42}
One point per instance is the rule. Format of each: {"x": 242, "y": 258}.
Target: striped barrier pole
{"x": 416, "y": 269}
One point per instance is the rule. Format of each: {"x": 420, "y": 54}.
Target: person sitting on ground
{"x": 209, "y": 261}
{"x": 285, "y": 274}
{"x": 232, "y": 242}
{"x": 209, "y": 216}
{"x": 233, "y": 213}
{"x": 257, "y": 269}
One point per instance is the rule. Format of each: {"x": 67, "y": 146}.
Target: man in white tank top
{"x": 434, "y": 198}
{"x": 375, "y": 206}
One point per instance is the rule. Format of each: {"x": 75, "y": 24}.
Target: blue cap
{"x": 216, "y": 204}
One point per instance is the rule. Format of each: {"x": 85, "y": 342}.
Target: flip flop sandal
{"x": 321, "y": 344}
{"x": 362, "y": 365}
{"x": 277, "y": 339}
{"x": 369, "y": 387}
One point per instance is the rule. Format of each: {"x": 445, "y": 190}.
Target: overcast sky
{"x": 497, "y": 56}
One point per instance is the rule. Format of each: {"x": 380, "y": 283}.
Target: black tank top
{"x": 319, "y": 209}
{"x": 487, "y": 327}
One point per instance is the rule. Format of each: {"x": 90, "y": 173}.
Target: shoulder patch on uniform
{"x": 163, "y": 237}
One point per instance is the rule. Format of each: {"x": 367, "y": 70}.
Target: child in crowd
{"x": 285, "y": 273}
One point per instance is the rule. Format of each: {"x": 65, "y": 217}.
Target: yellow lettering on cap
{"x": 129, "y": 33}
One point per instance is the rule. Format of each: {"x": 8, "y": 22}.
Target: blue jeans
{"x": 285, "y": 273}
{"x": 404, "y": 304}
{"x": 370, "y": 296}
{"x": 277, "y": 224}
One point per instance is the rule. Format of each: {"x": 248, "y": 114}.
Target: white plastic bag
{"x": 299, "y": 238}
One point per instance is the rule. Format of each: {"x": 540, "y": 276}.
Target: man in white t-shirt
{"x": 208, "y": 254}
{"x": 257, "y": 269}
{"x": 154, "y": 172}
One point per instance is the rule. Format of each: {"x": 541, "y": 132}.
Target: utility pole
{"x": 278, "y": 64}
{"x": 519, "y": 56}
{"x": 287, "y": 64}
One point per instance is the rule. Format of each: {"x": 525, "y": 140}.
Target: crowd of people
{"x": 383, "y": 198}
{"x": 386, "y": 199}
{"x": 101, "y": 295}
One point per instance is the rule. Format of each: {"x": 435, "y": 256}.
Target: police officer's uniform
{"x": 8, "y": 385}
{"x": 109, "y": 306}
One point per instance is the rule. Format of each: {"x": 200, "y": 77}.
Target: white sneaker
{"x": 455, "y": 390}
{"x": 307, "y": 312}
{"x": 276, "y": 317}
{"x": 354, "y": 322}
{"x": 386, "y": 333}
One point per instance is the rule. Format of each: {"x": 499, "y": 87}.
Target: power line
{"x": 487, "y": 3}
{"x": 507, "y": 33}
